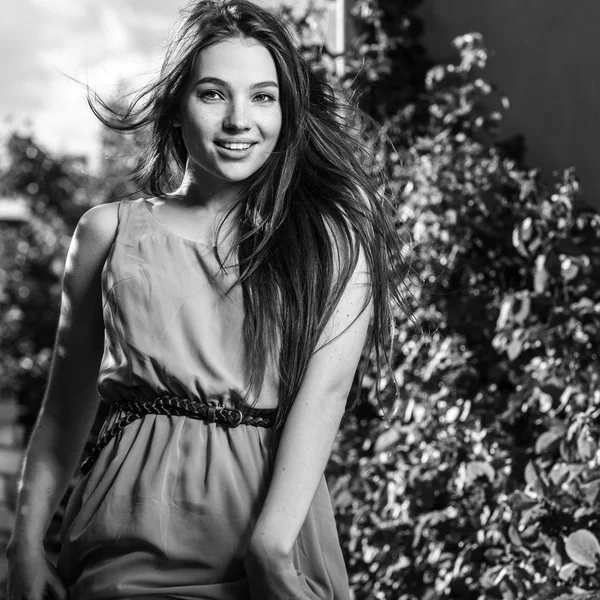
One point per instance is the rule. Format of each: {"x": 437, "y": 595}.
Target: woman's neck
{"x": 215, "y": 197}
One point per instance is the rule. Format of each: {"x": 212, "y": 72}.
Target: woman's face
{"x": 230, "y": 113}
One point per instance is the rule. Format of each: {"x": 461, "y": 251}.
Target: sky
{"x": 45, "y": 44}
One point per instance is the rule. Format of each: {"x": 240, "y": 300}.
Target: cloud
{"x": 99, "y": 42}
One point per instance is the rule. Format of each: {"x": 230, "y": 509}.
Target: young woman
{"x": 223, "y": 320}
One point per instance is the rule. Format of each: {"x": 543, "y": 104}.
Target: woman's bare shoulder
{"x": 93, "y": 238}
{"x": 101, "y": 219}
{"x": 98, "y": 225}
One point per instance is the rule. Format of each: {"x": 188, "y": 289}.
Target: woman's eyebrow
{"x": 264, "y": 84}
{"x": 217, "y": 81}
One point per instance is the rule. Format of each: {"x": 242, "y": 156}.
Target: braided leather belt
{"x": 211, "y": 412}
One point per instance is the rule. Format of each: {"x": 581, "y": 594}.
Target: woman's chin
{"x": 237, "y": 175}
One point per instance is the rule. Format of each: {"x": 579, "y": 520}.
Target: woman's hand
{"x": 32, "y": 576}
{"x": 274, "y": 577}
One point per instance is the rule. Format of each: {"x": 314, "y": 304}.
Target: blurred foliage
{"x": 56, "y": 190}
{"x": 486, "y": 485}
{"x": 55, "y": 193}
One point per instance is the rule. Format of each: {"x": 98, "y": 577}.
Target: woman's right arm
{"x": 69, "y": 406}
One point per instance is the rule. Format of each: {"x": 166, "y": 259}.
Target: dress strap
{"x": 124, "y": 208}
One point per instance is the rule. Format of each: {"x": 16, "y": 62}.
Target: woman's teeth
{"x": 236, "y": 146}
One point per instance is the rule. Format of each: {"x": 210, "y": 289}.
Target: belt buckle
{"x": 234, "y": 415}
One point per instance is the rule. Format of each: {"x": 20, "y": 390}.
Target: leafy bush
{"x": 486, "y": 485}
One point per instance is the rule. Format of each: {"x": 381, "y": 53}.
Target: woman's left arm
{"x": 306, "y": 443}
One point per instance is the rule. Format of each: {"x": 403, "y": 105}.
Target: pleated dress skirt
{"x": 167, "y": 510}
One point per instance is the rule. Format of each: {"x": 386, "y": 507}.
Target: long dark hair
{"x": 306, "y": 214}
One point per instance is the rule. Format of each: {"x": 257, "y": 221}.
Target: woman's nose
{"x": 237, "y": 118}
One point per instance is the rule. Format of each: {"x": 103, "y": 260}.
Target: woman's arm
{"x": 310, "y": 429}
{"x": 71, "y": 401}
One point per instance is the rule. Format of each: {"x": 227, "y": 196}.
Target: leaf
{"x": 519, "y": 501}
{"x": 531, "y": 532}
{"x": 567, "y": 571}
{"x": 466, "y": 410}
{"x": 583, "y": 511}
{"x": 386, "y": 440}
{"x": 452, "y": 414}
{"x": 559, "y": 474}
{"x": 540, "y": 275}
{"x": 527, "y": 229}
{"x": 513, "y": 536}
{"x": 586, "y": 446}
{"x": 408, "y": 411}
{"x": 583, "y": 548}
{"x": 518, "y": 243}
{"x": 494, "y": 554}
{"x": 501, "y": 575}
{"x": 514, "y": 348}
{"x": 533, "y": 480}
{"x": 565, "y": 396}
{"x": 565, "y": 451}
{"x": 569, "y": 269}
{"x": 505, "y": 311}
{"x": 479, "y": 468}
{"x": 590, "y": 491}
{"x": 419, "y": 413}
{"x": 488, "y": 579}
{"x": 545, "y": 401}
{"x": 549, "y": 441}
{"x": 343, "y": 500}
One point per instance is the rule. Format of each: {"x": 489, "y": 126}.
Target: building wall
{"x": 545, "y": 55}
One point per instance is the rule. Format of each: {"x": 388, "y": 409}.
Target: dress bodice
{"x": 173, "y": 317}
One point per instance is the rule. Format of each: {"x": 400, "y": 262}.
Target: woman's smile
{"x": 236, "y": 150}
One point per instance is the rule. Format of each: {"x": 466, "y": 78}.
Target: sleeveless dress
{"x": 168, "y": 507}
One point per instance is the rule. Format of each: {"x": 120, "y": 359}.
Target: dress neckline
{"x": 170, "y": 231}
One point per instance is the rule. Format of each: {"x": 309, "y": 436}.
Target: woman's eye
{"x": 264, "y": 98}
{"x": 210, "y": 95}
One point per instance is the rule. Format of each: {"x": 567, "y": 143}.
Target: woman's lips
{"x": 236, "y": 150}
